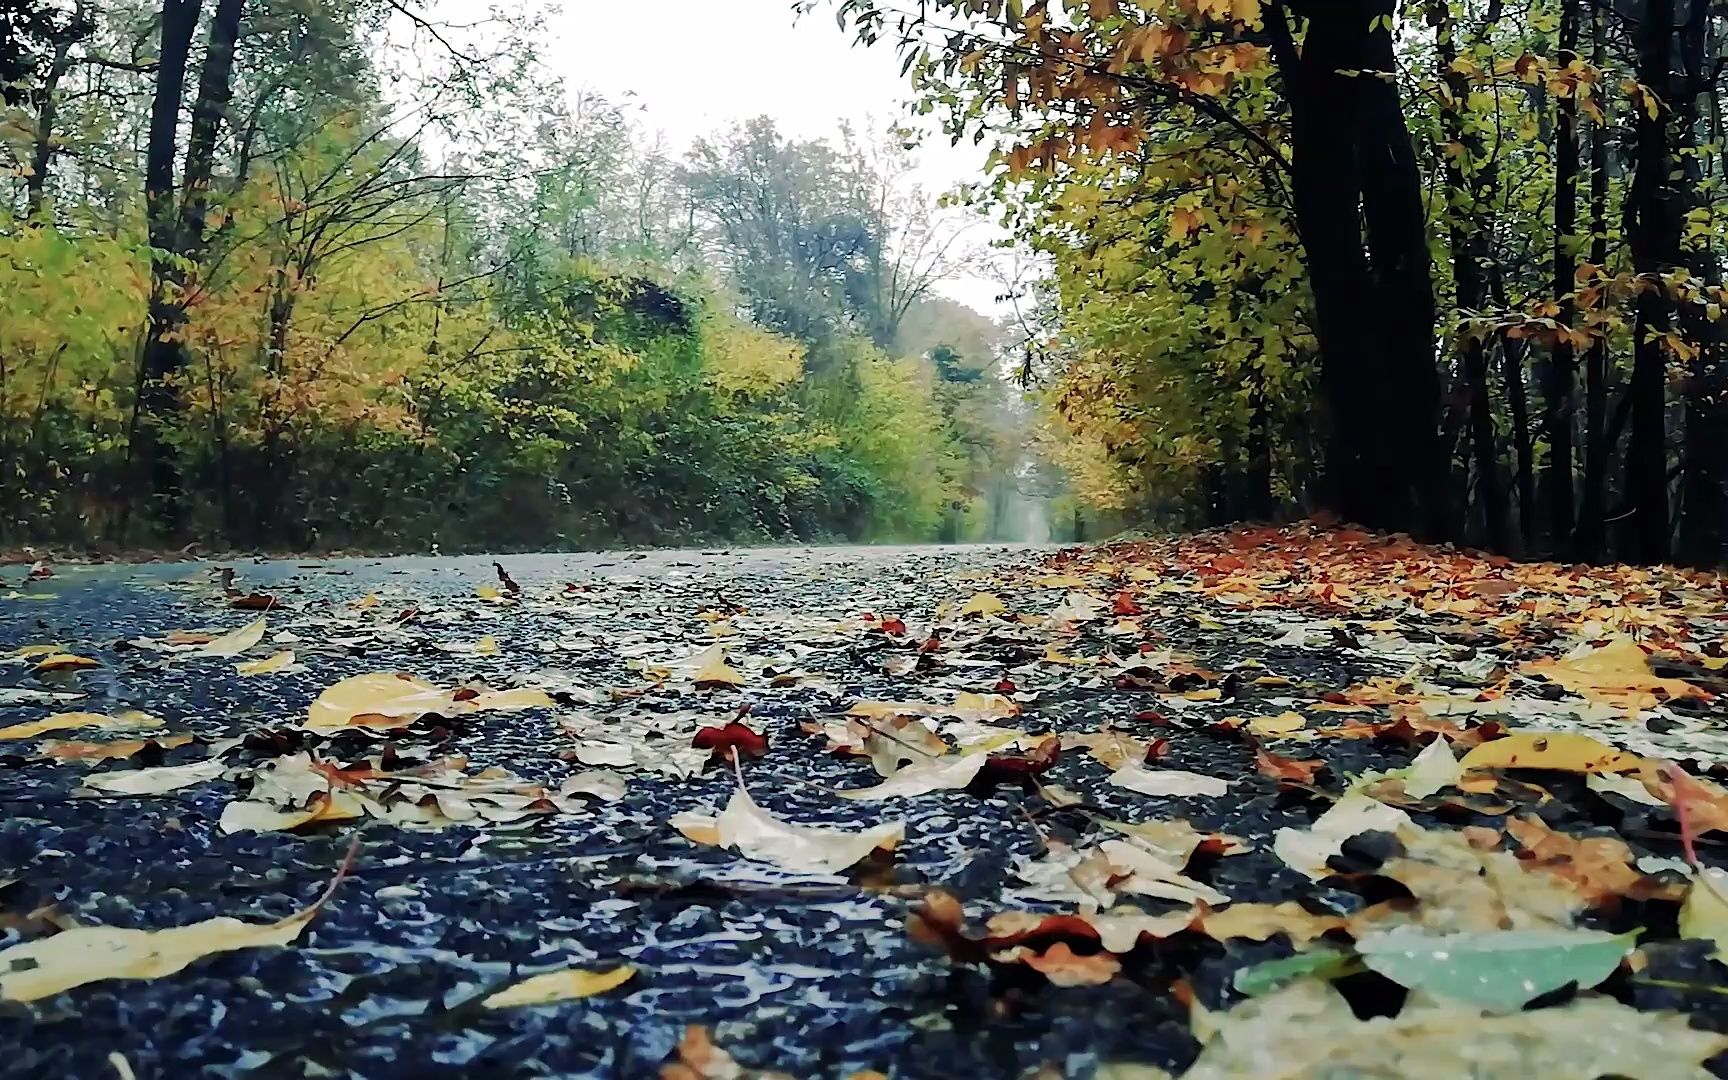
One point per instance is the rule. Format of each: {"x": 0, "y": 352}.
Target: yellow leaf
{"x": 712, "y": 669}
{"x": 235, "y": 642}
{"x": 1618, "y": 673}
{"x": 26, "y": 652}
{"x": 86, "y": 954}
{"x": 486, "y": 646}
{"x": 1561, "y": 751}
{"x": 69, "y": 721}
{"x": 983, "y": 603}
{"x": 274, "y": 662}
{"x": 1282, "y": 724}
{"x": 375, "y": 694}
{"x": 65, "y": 662}
{"x": 487, "y": 592}
{"x": 566, "y": 985}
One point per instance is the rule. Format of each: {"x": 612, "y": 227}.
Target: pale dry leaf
{"x": 550, "y": 987}
{"x": 234, "y": 642}
{"x": 756, "y": 834}
{"x": 1168, "y": 782}
{"x": 155, "y": 781}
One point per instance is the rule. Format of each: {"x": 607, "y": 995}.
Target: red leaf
{"x": 1006, "y": 686}
{"x": 254, "y": 602}
{"x": 1016, "y": 768}
{"x": 734, "y": 738}
{"x": 893, "y": 626}
{"x": 1156, "y": 749}
{"x": 1125, "y": 604}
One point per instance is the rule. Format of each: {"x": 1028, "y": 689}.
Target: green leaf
{"x": 1270, "y": 975}
{"x": 1501, "y": 970}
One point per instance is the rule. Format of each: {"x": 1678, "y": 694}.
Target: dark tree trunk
{"x": 1357, "y": 195}
{"x": 1654, "y": 219}
{"x": 1590, "y": 538}
{"x": 215, "y": 90}
{"x": 42, "y": 143}
{"x": 1467, "y": 236}
{"x": 1557, "y": 413}
{"x": 154, "y": 469}
{"x": 1704, "y": 453}
{"x": 178, "y": 229}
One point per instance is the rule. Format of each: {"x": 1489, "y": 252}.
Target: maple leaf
{"x": 732, "y": 739}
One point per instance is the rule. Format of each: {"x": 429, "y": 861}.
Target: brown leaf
{"x": 1599, "y": 867}
{"x": 1289, "y": 770}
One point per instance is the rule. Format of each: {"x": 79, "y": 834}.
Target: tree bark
{"x": 1654, "y": 230}
{"x": 1467, "y": 237}
{"x": 1357, "y": 195}
{"x": 1557, "y": 411}
{"x": 151, "y": 461}
{"x": 1704, "y": 452}
{"x": 1590, "y": 537}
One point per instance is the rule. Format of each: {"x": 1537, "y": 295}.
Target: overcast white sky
{"x": 698, "y": 66}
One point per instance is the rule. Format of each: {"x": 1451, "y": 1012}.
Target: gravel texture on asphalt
{"x": 812, "y": 976}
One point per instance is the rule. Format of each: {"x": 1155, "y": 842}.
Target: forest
{"x": 291, "y": 274}
{"x": 312, "y": 273}
{"x": 1446, "y": 266}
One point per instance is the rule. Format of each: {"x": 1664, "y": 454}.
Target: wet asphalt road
{"x": 814, "y": 977}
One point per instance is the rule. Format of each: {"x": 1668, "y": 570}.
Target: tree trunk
{"x": 178, "y": 229}
{"x": 1704, "y": 453}
{"x": 1654, "y": 229}
{"x": 1590, "y": 537}
{"x": 1467, "y": 236}
{"x": 1357, "y": 195}
{"x": 215, "y": 90}
{"x": 1557, "y": 413}
{"x": 42, "y": 142}
{"x": 151, "y": 461}
{"x": 1517, "y": 400}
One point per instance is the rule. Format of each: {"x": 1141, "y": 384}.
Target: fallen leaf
{"x": 936, "y": 775}
{"x": 1167, "y": 782}
{"x": 234, "y": 642}
{"x": 711, "y": 670}
{"x": 726, "y": 742}
{"x": 1307, "y": 1029}
{"x": 1278, "y": 767}
{"x": 1308, "y": 850}
{"x": 65, "y": 662}
{"x": 71, "y": 721}
{"x": 1500, "y": 970}
{"x": 1704, "y": 914}
{"x": 47, "y": 966}
{"x": 1561, "y": 751}
{"x": 983, "y": 603}
{"x": 1287, "y": 723}
{"x": 1617, "y": 673}
{"x": 1064, "y": 967}
{"x": 552, "y": 986}
{"x": 1599, "y": 867}
{"x": 759, "y": 835}
{"x": 1431, "y": 770}
{"x": 1258, "y": 922}
{"x": 155, "y": 781}
{"x": 270, "y": 664}
{"x": 117, "y": 750}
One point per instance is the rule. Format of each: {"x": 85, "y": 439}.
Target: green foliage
{"x": 390, "y": 343}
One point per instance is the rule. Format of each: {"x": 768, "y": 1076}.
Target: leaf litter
{"x": 1215, "y": 782}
